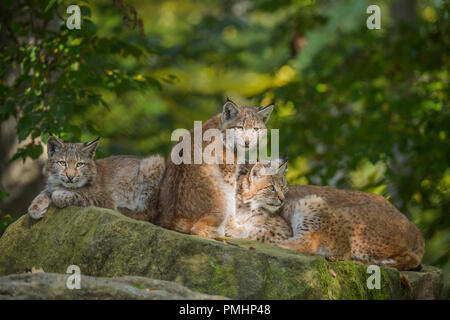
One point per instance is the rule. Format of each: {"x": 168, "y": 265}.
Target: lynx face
{"x": 71, "y": 164}
{"x": 263, "y": 191}
{"x": 240, "y": 124}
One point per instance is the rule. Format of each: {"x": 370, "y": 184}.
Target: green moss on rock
{"x": 105, "y": 243}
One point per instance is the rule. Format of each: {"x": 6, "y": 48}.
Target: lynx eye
{"x": 80, "y": 164}
{"x": 62, "y": 163}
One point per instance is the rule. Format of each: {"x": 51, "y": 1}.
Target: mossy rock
{"x": 104, "y": 243}
{"x": 52, "y": 286}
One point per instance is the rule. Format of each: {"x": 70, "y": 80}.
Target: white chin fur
{"x": 70, "y": 185}
{"x": 265, "y": 206}
{"x": 272, "y": 209}
{"x": 74, "y": 185}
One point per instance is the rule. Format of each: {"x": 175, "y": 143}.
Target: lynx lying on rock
{"x": 348, "y": 224}
{"x": 341, "y": 224}
{"x": 127, "y": 184}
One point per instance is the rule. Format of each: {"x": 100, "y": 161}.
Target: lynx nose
{"x": 247, "y": 141}
{"x": 69, "y": 178}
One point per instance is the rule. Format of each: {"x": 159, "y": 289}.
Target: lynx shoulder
{"x": 127, "y": 184}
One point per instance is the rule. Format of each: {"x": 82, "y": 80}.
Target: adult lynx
{"x": 127, "y": 184}
{"x": 348, "y": 224}
{"x": 342, "y": 224}
{"x": 199, "y": 198}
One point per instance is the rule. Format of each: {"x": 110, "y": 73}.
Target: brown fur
{"x": 258, "y": 197}
{"x": 348, "y": 224}
{"x": 127, "y": 184}
{"x": 198, "y": 198}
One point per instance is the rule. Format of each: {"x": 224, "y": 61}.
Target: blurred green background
{"x": 357, "y": 108}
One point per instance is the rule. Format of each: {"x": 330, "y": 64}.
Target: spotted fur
{"x": 200, "y": 198}
{"x": 347, "y": 224}
{"x": 258, "y": 197}
{"x": 127, "y": 184}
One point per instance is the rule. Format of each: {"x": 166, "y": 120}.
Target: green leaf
{"x": 85, "y": 11}
{"x": 27, "y": 123}
{"x": 90, "y": 26}
{"x": 49, "y": 5}
{"x": 34, "y": 151}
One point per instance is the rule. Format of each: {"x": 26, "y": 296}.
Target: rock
{"x": 48, "y": 286}
{"x": 104, "y": 243}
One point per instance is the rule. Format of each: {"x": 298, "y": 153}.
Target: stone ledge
{"x": 52, "y": 286}
{"x": 104, "y": 243}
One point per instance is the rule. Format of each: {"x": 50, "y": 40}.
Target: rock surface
{"x": 49, "y": 286}
{"x": 104, "y": 243}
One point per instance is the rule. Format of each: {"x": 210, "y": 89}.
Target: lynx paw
{"x": 39, "y": 207}
{"x": 206, "y": 231}
{"x": 209, "y": 227}
{"x": 62, "y": 198}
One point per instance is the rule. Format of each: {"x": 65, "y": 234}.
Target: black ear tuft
{"x": 89, "y": 148}
{"x": 269, "y": 105}
{"x": 282, "y": 169}
{"x": 284, "y": 158}
{"x": 86, "y": 144}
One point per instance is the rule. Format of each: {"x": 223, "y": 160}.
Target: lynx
{"x": 127, "y": 184}
{"x": 199, "y": 198}
{"x": 347, "y": 224}
{"x": 258, "y": 198}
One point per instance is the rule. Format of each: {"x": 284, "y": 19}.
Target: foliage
{"x": 357, "y": 108}
{"x": 5, "y": 219}
{"x": 55, "y": 74}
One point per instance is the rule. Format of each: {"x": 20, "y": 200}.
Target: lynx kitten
{"x": 347, "y": 224}
{"x": 258, "y": 198}
{"x": 199, "y": 198}
{"x": 127, "y": 184}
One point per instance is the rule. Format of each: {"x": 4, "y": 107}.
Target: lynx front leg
{"x": 269, "y": 230}
{"x": 318, "y": 243}
{"x": 235, "y": 229}
{"x": 39, "y": 205}
{"x": 307, "y": 243}
{"x": 266, "y": 235}
{"x": 65, "y": 198}
{"x": 208, "y": 227}
{"x": 151, "y": 170}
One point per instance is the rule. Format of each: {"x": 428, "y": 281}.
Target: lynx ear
{"x": 284, "y": 158}
{"x": 89, "y": 148}
{"x": 257, "y": 171}
{"x": 282, "y": 170}
{"x": 54, "y": 145}
{"x": 230, "y": 111}
{"x": 264, "y": 112}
